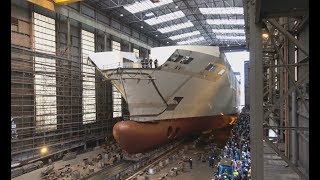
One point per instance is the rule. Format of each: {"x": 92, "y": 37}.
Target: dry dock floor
{"x": 274, "y": 166}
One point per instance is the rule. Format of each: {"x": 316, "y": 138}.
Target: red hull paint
{"x": 137, "y": 137}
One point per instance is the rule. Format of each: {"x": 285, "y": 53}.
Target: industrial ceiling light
{"x": 165, "y": 18}
{"x": 176, "y": 27}
{"x": 180, "y": 36}
{"x": 224, "y": 31}
{"x": 145, "y": 5}
{"x": 44, "y": 3}
{"x": 176, "y": 7}
{"x": 121, "y": 15}
{"x": 156, "y": 35}
{"x": 222, "y": 10}
{"x": 225, "y": 21}
{"x": 167, "y": 42}
{"x": 141, "y": 27}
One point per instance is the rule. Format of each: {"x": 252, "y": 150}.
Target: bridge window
{"x": 177, "y": 59}
{"x": 210, "y": 67}
{"x": 186, "y": 60}
{"x": 221, "y": 72}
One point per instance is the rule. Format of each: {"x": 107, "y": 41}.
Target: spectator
{"x": 155, "y": 63}
{"x": 212, "y": 157}
{"x": 235, "y": 173}
{"x": 210, "y": 161}
{"x": 236, "y": 157}
{"x": 150, "y": 63}
{"x": 144, "y": 63}
{"x": 190, "y": 163}
{"x": 225, "y": 175}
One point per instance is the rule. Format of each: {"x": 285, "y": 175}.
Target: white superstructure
{"x": 192, "y": 81}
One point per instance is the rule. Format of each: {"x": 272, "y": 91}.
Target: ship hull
{"x": 136, "y": 137}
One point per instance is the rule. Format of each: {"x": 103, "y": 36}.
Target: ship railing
{"x": 126, "y": 117}
{"x": 124, "y": 65}
{"x": 111, "y": 66}
{"x": 132, "y": 73}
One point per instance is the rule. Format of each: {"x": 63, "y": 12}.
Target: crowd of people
{"x": 237, "y": 150}
{"x": 148, "y": 63}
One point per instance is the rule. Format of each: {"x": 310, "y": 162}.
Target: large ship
{"x": 193, "y": 90}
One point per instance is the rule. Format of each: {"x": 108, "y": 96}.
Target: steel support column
{"x": 294, "y": 137}
{"x": 68, "y": 38}
{"x": 256, "y": 93}
{"x": 130, "y": 47}
{"x": 284, "y": 87}
{"x": 106, "y": 41}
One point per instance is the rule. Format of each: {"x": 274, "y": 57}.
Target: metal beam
{"x": 294, "y": 137}
{"x": 289, "y": 127}
{"x": 288, "y": 35}
{"x": 293, "y": 166}
{"x": 303, "y": 23}
{"x": 257, "y": 10}
{"x": 105, "y": 41}
{"x": 256, "y": 92}
{"x": 284, "y": 65}
{"x": 303, "y": 60}
{"x": 95, "y": 24}
{"x": 301, "y": 134}
{"x": 275, "y": 104}
{"x": 68, "y": 38}
{"x": 197, "y": 19}
{"x": 233, "y": 48}
{"x": 291, "y": 75}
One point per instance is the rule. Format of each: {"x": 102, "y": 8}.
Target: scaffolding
{"x": 47, "y": 97}
{"x": 279, "y": 83}
{"x": 116, "y": 96}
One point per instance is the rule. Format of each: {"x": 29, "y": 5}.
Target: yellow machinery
{"x": 49, "y": 4}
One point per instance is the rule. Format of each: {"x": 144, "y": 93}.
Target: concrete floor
{"x": 35, "y": 175}
{"x": 274, "y": 166}
{"x": 200, "y": 170}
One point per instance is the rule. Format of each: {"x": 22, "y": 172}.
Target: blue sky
{"x": 236, "y": 60}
